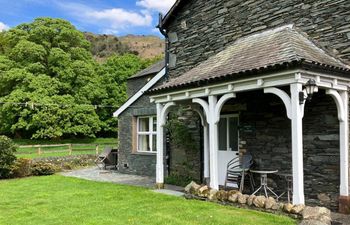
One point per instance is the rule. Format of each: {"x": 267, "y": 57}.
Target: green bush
{"x": 7, "y": 156}
{"x": 178, "y": 180}
{"x": 21, "y": 168}
{"x": 43, "y": 169}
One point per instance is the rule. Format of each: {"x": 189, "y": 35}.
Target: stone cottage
{"x": 266, "y": 77}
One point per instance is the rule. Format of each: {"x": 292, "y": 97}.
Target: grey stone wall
{"x": 270, "y": 143}
{"x": 129, "y": 161}
{"x": 186, "y": 162}
{"x": 135, "y": 84}
{"x": 205, "y": 27}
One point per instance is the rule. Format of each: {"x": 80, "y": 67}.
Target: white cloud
{"x": 118, "y": 17}
{"x": 112, "y": 20}
{"x": 157, "y": 5}
{"x": 3, "y": 26}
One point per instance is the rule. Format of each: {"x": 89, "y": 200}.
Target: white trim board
{"x": 138, "y": 94}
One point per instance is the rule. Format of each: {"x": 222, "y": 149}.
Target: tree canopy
{"x": 51, "y": 87}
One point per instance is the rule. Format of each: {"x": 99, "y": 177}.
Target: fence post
{"x": 39, "y": 150}
{"x": 96, "y": 149}
{"x": 70, "y": 149}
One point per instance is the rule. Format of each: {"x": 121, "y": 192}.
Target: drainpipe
{"x": 164, "y": 33}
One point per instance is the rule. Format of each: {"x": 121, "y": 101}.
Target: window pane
{"x": 223, "y": 134}
{"x": 154, "y": 124}
{"x": 144, "y": 124}
{"x": 233, "y": 129}
{"x": 143, "y": 143}
{"x": 154, "y": 144}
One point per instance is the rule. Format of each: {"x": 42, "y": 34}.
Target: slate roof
{"x": 279, "y": 47}
{"x": 153, "y": 69}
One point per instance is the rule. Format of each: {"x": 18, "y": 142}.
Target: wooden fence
{"x": 63, "y": 148}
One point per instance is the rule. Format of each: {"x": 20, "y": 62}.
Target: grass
{"x": 77, "y": 150}
{"x": 58, "y": 200}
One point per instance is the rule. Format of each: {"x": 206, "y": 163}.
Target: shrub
{"x": 21, "y": 168}
{"x": 7, "y": 156}
{"x": 42, "y": 169}
{"x": 179, "y": 180}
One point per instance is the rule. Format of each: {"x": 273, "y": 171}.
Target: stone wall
{"x": 135, "y": 84}
{"x": 186, "y": 162}
{"x": 270, "y": 143}
{"x": 129, "y": 160}
{"x": 202, "y": 28}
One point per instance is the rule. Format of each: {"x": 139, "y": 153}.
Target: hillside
{"x": 103, "y": 46}
{"x": 146, "y": 46}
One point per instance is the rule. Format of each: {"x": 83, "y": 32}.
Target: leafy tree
{"x": 113, "y": 76}
{"x": 47, "y": 66}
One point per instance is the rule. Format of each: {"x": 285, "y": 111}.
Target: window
{"x": 147, "y": 134}
{"x": 228, "y": 133}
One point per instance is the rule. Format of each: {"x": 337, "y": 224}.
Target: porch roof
{"x": 279, "y": 48}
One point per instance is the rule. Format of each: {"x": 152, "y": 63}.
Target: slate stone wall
{"x": 130, "y": 161}
{"x": 204, "y": 27}
{"x": 186, "y": 162}
{"x": 135, "y": 84}
{"x": 270, "y": 143}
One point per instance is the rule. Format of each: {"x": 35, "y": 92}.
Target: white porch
{"x": 211, "y": 98}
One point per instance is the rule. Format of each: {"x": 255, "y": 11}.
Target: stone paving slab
{"x": 96, "y": 174}
{"x": 170, "y": 192}
{"x": 112, "y": 176}
{"x": 338, "y": 219}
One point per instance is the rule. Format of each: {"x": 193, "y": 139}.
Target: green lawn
{"x": 69, "y": 201}
{"x": 77, "y": 150}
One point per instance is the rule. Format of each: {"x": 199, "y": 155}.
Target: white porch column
{"x": 204, "y": 114}
{"x": 341, "y": 99}
{"x": 162, "y": 112}
{"x": 206, "y": 152}
{"x": 344, "y": 146}
{"x": 297, "y": 145}
{"x": 213, "y": 142}
{"x": 160, "y": 149}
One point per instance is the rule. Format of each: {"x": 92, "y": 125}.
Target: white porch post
{"x": 205, "y": 119}
{"x": 341, "y": 99}
{"x": 160, "y": 148}
{"x": 344, "y": 146}
{"x": 162, "y": 112}
{"x": 297, "y": 145}
{"x": 213, "y": 142}
{"x": 206, "y": 152}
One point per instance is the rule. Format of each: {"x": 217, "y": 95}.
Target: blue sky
{"x": 118, "y": 17}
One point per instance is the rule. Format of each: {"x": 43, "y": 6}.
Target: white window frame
{"x": 149, "y": 133}
{"x": 227, "y": 116}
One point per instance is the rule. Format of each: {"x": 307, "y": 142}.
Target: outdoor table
{"x": 263, "y": 181}
{"x": 289, "y": 181}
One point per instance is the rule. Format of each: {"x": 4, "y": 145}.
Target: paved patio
{"x": 112, "y": 176}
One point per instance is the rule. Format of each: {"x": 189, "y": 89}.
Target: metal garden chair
{"x": 106, "y": 158}
{"x": 237, "y": 170}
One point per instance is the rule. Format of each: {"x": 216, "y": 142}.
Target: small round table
{"x": 263, "y": 181}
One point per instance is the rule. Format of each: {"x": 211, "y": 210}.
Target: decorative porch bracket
{"x": 295, "y": 113}
{"x": 284, "y": 97}
{"x": 342, "y": 101}
{"x": 212, "y": 109}
{"x": 162, "y": 112}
